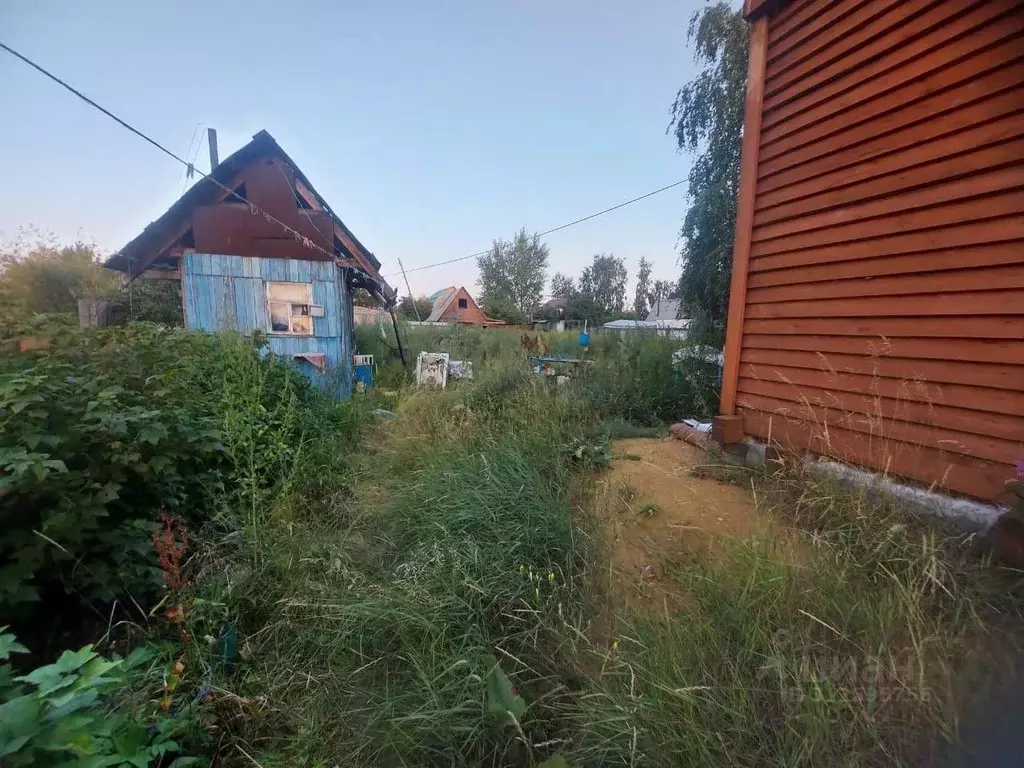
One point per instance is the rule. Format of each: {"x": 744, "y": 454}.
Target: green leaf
{"x": 502, "y": 699}
{"x": 130, "y": 740}
{"x": 18, "y": 717}
{"x": 9, "y": 644}
{"x": 69, "y": 661}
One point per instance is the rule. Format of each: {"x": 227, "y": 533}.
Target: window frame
{"x": 308, "y": 304}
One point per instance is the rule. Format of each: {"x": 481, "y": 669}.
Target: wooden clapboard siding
{"x": 229, "y": 293}
{"x": 882, "y": 313}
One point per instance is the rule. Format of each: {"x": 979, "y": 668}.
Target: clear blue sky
{"x": 430, "y": 127}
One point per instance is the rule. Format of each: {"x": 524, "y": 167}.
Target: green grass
{"x": 370, "y": 633}
{"x": 362, "y": 589}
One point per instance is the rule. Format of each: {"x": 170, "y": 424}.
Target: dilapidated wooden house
{"x": 255, "y": 248}
{"x": 877, "y": 302}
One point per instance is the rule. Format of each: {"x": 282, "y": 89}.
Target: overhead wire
{"x": 548, "y": 231}
{"x": 192, "y": 165}
{"x": 252, "y": 206}
{"x": 298, "y": 235}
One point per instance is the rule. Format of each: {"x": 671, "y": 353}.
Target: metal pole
{"x": 398, "y": 336}
{"x": 411, "y": 298}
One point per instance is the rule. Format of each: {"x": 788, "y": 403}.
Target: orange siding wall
{"x": 884, "y": 313}
{"x": 470, "y": 315}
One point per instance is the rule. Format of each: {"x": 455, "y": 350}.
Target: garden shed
{"x": 877, "y": 299}
{"x": 256, "y": 249}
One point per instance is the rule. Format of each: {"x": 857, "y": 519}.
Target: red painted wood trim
{"x": 744, "y": 212}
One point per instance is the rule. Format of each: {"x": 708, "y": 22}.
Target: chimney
{"x": 211, "y": 134}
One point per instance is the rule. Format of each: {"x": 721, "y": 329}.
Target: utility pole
{"x": 211, "y": 135}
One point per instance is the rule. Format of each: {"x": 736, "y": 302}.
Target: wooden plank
{"x": 1004, "y": 204}
{"x": 948, "y": 283}
{"x": 955, "y": 236}
{"x": 979, "y": 446}
{"x": 888, "y": 409}
{"x": 1002, "y": 402}
{"x": 980, "y": 184}
{"x": 744, "y": 212}
{"x": 795, "y": 25}
{"x": 935, "y": 28}
{"x": 967, "y": 303}
{"x": 869, "y": 102}
{"x": 989, "y": 327}
{"x": 944, "y": 471}
{"x": 969, "y": 257}
{"x": 991, "y": 375}
{"x": 976, "y": 103}
{"x": 939, "y": 160}
{"x": 954, "y": 348}
{"x": 874, "y": 22}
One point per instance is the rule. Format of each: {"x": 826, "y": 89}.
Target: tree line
{"x": 513, "y": 276}
{"x": 706, "y": 121}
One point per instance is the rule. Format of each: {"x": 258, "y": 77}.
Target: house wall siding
{"x": 470, "y": 315}
{"x": 883, "y": 314}
{"x": 229, "y": 293}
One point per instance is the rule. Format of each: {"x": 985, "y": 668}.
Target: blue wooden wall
{"x": 229, "y": 293}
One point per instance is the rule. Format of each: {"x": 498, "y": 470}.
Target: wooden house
{"x": 456, "y": 306}
{"x": 256, "y": 249}
{"x": 877, "y": 298}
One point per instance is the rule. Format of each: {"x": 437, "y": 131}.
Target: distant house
{"x": 663, "y": 317}
{"x": 240, "y": 269}
{"x": 456, "y": 306}
{"x": 666, "y": 309}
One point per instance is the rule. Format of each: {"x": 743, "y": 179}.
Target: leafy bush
{"x": 104, "y": 428}
{"x": 98, "y": 434}
{"x": 645, "y": 378}
{"x": 75, "y": 712}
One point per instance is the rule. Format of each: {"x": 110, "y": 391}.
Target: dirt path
{"x": 656, "y": 509}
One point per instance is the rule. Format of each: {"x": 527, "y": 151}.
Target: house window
{"x": 463, "y": 304}
{"x": 290, "y": 308}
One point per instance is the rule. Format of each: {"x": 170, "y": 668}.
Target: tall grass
{"x": 856, "y": 640}
{"x": 373, "y": 634}
{"x": 460, "y": 546}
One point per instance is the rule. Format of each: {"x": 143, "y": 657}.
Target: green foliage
{"x": 98, "y": 434}
{"x": 47, "y": 277}
{"x": 642, "y": 302}
{"x": 459, "y": 551}
{"x": 75, "y": 712}
{"x": 707, "y": 119}
{"x": 502, "y": 309}
{"x": 410, "y": 308}
{"x": 102, "y": 429}
{"x": 603, "y": 285}
{"x": 153, "y": 301}
{"x": 562, "y": 286}
{"x": 647, "y": 379}
{"x": 513, "y": 272}
{"x": 664, "y": 289}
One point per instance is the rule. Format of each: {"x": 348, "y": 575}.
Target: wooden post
{"x": 211, "y": 135}
{"x": 744, "y": 213}
{"x": 93, "y": 313}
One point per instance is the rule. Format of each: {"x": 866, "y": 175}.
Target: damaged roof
{"x": 141, "y": 252}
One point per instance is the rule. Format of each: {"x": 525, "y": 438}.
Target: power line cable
{"x": 195, "y": 131}
{"x": 252, "y": 206}
{"x": 298, "y": 235}
{"x": 552, "y": 230}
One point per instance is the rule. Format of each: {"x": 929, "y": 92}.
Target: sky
{"x": 431, "y": 128}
